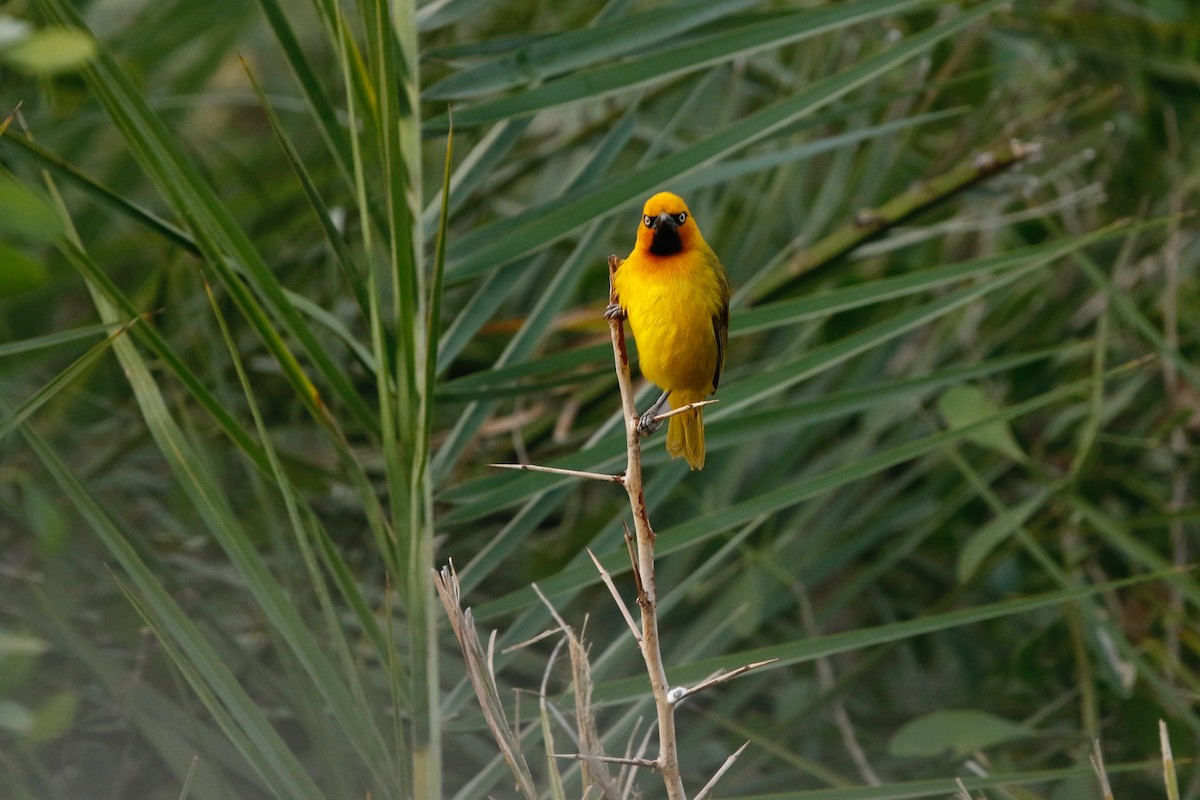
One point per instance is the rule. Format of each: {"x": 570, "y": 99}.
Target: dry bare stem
{"x": 629, "y": 772}
{"x": 557, "y": 792}
{"x": 708, "y": 787}
{"x": 483, "y": 680}
{"x": 590, "y": 748}
{"x": 1097, "y": 759}
{"x": 668, "y": 748}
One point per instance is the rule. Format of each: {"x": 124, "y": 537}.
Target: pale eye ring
{"x": 648, "y": 221}
{"x": 681, "y": 218}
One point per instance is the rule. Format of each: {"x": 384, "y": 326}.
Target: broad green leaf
{"x": 12, "y": 31}
{"x": 52, "y": 718}
{"x": 955, "y": 732}
{"x": 964, "y": 405}
{"x": 50, "y": 51}
{"x": 994, "y": 533}
{"x": 19, "y": 273}
{"x": 21, "y": 644}
{"x": 26, "y": 214}
{"x": 14, "y": 717}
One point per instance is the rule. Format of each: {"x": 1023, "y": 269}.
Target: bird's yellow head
{"x": 667, "y": 226}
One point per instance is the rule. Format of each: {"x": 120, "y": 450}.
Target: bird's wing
{"x": 720, "y": 322}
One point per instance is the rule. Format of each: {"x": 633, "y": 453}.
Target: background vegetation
{"x": 246, "y": 404}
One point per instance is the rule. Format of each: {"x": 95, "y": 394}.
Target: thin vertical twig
{"x": 668, "y": 750}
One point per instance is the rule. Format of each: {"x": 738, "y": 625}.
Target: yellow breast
{"x": 670, "y": 302}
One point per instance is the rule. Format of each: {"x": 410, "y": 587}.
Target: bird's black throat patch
{"x": 666, "y": 241}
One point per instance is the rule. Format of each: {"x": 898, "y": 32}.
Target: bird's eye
{"x": 681, "y": 217}
{"x": 648, "y": 221}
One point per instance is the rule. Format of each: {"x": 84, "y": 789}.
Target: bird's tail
{"x": 685, "y": 432}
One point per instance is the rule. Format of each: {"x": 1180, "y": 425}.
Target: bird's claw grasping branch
{"x": 614, "y": 311}
{"x": 652, "y": 420}
{"x": 648, "y": 423}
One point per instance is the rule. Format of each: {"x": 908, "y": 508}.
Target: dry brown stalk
{"x": 594, "y": 773}
{"x": 1097, "y": 760}
{"x": 708, "y": 787}
{"x": 483, "y": 678}
{"x": 668, "y": 749}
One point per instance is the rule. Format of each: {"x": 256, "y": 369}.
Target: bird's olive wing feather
{"x": 720, "y": 323}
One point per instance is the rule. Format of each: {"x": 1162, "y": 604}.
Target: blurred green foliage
{"x": 224, "y": 462}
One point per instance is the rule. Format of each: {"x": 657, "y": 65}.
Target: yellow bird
{"x": 674, "y": 291}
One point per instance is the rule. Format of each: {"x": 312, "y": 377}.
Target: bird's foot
{"x": 614, "y": 311}
{"x": 647, "y": 424}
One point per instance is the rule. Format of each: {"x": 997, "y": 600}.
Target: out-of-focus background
{"x": 247, "y": 402}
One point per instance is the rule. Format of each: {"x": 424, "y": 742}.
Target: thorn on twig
{"x": 574, "y": 473}
{"x": 708, "y": 787}
{"x": 635, "y": 762}
{"x": 681, "y": 409}
{"x": 679, "y": 694}
{"x": 631, "y": 546}
{"x": 612, "y": 588}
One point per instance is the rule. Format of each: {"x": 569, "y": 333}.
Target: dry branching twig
{"x": 668, "y": 750}
{"x": 590, "y": 749}
{"x": 641, "y": 554}
{"x": 479, "y": 670}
